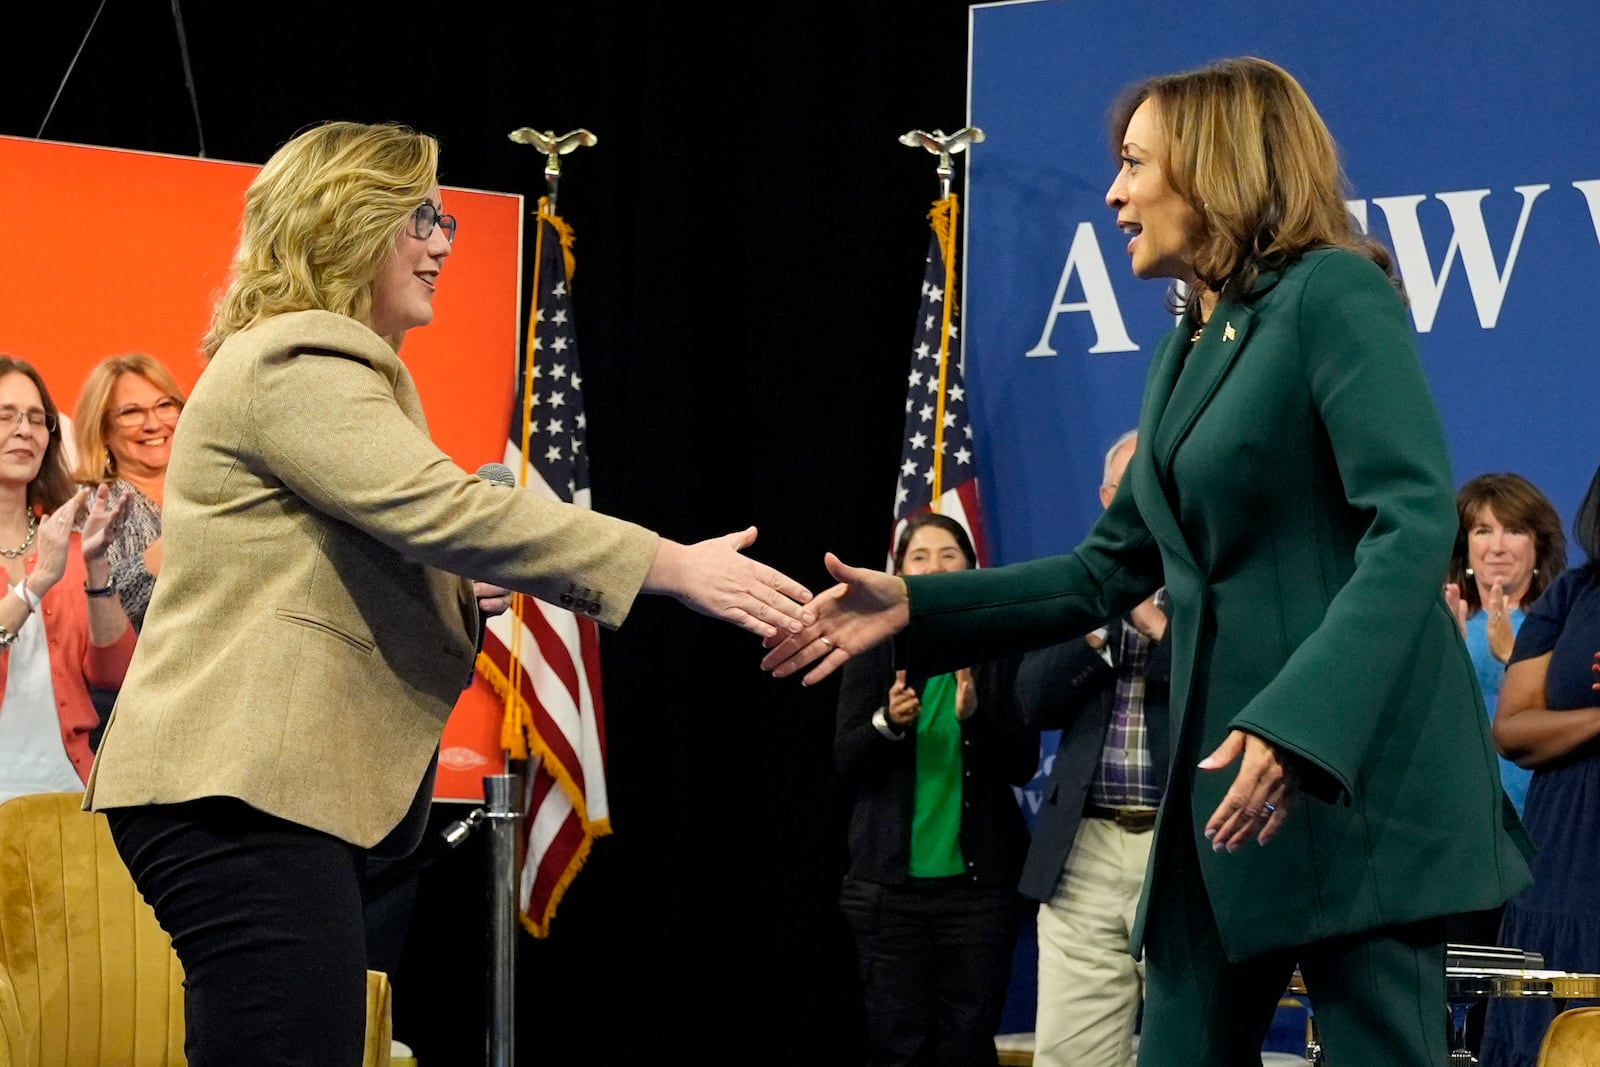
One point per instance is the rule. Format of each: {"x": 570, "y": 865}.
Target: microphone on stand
{"x": 499, "y": 474}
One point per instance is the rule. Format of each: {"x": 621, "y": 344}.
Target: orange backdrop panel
{"x": 118, "y": 251}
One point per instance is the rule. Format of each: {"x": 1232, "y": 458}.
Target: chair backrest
{"x": 94, "y": 976}
{"x": 16, "y": 1044}
{"x": 1573, "y": 1040}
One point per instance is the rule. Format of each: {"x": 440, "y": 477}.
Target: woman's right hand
{"x": 904, "y": 704}
{"x": 866, "y": 608}
{"x": 1457, "y": 606}
{"x": 1502, "y": 638}
{"x": 53, "y": 539}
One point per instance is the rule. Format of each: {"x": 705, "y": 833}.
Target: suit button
{"x": 566, "y": 600}
{"x": 594, "y": 607}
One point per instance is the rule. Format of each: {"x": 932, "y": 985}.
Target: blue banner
{"x": 1470, "y": 142}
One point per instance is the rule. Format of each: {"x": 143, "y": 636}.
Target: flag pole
{"x": 945, "y": 146}
{"x": 503, "y": 797}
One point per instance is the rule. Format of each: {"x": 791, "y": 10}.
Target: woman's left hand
{"x": 966, "y": 695}
{"x": 1265, "y": 791}
{"x": 492, "y": 599}
{"x": 100, "y": 516}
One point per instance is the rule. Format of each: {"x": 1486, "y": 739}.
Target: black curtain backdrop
{"x": 750, "y": 244}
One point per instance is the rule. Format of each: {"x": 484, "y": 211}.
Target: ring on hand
{"x": 826, "y": 642}
{"x": 1269, "y": 808}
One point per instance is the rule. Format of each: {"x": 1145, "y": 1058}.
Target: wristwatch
{"x": 880, "y": 723}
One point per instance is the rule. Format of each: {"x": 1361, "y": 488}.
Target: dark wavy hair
{"x": 1248, "y": 151}
{"x": 1586, "y": 526}
{"x": 52, "y": 486}
{"x": 1519, "y": 505}
{"x": 943, "y": 522}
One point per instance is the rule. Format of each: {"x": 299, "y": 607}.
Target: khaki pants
{"x": 1089, "y": 986}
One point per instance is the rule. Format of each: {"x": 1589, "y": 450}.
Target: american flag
{"x": 938, "y": 465}
{"x": 543, "y": 660}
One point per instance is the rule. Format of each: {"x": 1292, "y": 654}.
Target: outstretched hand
{"x": 714, "y": 578}
{"x": 865, "y": 608}
{"x": 1265, "y": 791}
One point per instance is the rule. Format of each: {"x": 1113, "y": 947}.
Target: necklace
{"x": 13, "y": 553}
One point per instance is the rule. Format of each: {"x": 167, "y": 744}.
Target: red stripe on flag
{"x": 554, "y": 739}
{"x": 569, "y": 841}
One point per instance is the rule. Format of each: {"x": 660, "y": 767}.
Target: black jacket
{"x": 879, "y": 774}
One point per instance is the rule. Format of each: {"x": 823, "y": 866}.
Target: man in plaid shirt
{"x": 1107, "y": 692}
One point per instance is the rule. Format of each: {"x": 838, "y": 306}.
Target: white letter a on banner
{"x": 1110, "y": 335}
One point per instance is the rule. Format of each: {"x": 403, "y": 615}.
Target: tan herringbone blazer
{"x": 309, "y": 635}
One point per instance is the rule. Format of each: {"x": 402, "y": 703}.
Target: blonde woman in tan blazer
{"x": 310, "y": 592}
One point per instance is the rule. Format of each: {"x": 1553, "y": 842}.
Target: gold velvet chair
{"x": 1573, "y": 1040}
{"x": 87, "y": 976}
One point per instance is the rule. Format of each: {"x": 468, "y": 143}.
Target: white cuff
{"x": 27, "y": 595}
{"x": 880, "y": 723}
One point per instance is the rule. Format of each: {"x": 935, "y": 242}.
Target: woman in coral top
{"x": 62, "y": 628}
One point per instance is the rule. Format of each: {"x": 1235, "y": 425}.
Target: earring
{"x": 1469, "y": 572}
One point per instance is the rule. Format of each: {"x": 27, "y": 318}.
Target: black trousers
{"x": 266, "y": 917}
{"x": 935, "y": 962}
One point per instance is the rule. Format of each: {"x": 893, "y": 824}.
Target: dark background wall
{"x": 750, "y": 241}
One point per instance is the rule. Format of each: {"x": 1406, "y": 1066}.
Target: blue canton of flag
{"x": 556, "y": 436}
{"x": 930, "y": 424}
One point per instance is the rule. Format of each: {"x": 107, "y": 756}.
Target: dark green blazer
{"x": 1293, "y": 490}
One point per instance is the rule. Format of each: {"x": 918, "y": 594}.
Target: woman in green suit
{"x": 1334, "y": 792}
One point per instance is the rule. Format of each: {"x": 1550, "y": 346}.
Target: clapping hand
{"x": 1457, "y": 605}
{"x": 55, "y": 535}
{"x": 904, "y": 704}
{"x": 966, "y": 695}
{"x": 101, "y": 516}
{"x": 1502, "y": 639}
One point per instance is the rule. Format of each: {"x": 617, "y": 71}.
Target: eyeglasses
{"x": 426, "y": 217}
{"x": 37, "y": 419}
{"x": 166, "y": 410}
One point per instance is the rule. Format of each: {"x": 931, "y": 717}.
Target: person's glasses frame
{"x": 426, "y": 217}
{"x": 165, "y": 410}
{"x": 36, "y": 418}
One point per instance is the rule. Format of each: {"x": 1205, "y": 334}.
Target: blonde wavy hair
{"x": 91, "y": 422}
{"x": 320, "y": 221}
{"x": 1248, "y": 151}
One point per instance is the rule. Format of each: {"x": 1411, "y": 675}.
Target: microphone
{"x": 499, "y": 474}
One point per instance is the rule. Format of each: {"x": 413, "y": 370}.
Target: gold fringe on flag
{"x": 944, "y": 216}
